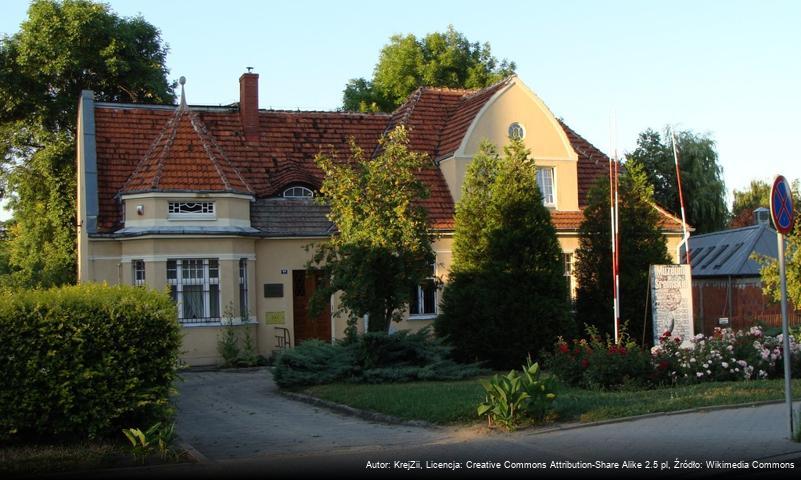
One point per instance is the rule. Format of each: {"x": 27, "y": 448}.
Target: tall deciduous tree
{"x": 506, "y": 297}
{"x": 62, "y": 48}
{"x": 383, "y": 246}
{"x": 445, "y": 59}
{"x": 746, "y": 201}
{"x": 755, "y": 196}
{"x": 701, "y": 178}
{"x": 641, "y": 245}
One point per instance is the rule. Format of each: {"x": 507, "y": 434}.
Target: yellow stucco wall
{"x": 275, "y": 260}
{"x": 228, "y": 210}
{"x": 199, "y": 344}
{"x": 544, "y": 136}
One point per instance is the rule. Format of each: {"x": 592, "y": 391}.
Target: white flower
{"x": 724, "y": 365}
{"x": 709, "y": 372}
{"x": 699, "y": 374}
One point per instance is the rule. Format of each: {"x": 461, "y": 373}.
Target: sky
{"x": 729, "y": 69}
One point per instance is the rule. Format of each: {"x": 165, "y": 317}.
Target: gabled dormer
{"x": 510, "y": 109}
{"x": 185, "y": 182}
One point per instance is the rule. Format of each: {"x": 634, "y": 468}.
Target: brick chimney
{"x": 249, "y": 105}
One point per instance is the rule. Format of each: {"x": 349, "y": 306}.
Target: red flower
{"x": 677, "y": 340}
{"x": 664, "y": 364}
{"x": 585, "y": 363}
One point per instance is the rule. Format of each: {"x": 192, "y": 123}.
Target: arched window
{"x": 297, "y": 192}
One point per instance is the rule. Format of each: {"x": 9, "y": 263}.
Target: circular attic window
{"x": 516, "y": 131}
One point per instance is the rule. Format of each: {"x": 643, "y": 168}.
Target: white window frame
{"x": 568, "y": 265}
{"x": 137, "y": 268}
{"x": 205, "y": 281}
{"x": 545, "y": 201}
{"x": 307, "y": 192}
{"x": 420, "y": 290}
{"x": 177, "y": 214}
{"x": 244, "y": 301}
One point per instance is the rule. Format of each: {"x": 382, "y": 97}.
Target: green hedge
{"x": 85, "y": 361}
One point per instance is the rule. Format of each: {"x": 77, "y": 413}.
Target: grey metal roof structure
{"x": 285, "y": 217}
{"x": 728, "y": 252}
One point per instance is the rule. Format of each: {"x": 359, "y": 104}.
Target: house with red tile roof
{"x": 215, "y": 204}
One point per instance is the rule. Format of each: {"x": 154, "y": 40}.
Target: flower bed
{"x": 724, "y": 356}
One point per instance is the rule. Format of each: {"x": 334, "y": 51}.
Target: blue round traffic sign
{"x": 781, "y": 205}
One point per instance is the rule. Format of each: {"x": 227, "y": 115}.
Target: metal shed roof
{"x": 728, "y": 252}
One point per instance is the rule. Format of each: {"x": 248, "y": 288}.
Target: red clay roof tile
{"x": 184, "y": 157}
{"x": 213, "y": 154}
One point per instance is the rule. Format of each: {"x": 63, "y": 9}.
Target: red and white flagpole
{"x": 686, "y": 239}
{"x": 613, "y": 214}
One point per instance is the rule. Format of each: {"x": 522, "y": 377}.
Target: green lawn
{"x": 455, "y": 402}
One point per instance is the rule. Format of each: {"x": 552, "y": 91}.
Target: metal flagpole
{"x": 612, "y": 223}
{"x": 686, "y": 240}
{"x": 613, "y": 201}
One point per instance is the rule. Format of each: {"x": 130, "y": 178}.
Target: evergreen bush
{"x": 374, "y": 357}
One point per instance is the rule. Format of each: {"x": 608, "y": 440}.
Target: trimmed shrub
{"x": 600, "y": 363}
{"x": 371, "y": 358}
{"x": 313, "y": 362}
{"x": 85, "y": 361}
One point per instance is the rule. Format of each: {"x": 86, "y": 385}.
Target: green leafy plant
{"x": 504, "y": 400}
{"x": 235, "y": 342}
{"x": 512, "y": 396}
{"x": 228, "y": 345}
{"x": 85, "y": 361}
{"x": 156, "y": 438}
{"x": 540, "y": 390}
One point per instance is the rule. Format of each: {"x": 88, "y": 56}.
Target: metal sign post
{"x": 781, "y": 209}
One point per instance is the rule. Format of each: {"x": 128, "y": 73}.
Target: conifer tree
{"x": 641, "y": 245}
{"x": 506, "y": 297}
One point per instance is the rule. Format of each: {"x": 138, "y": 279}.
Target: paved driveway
{"x": 228, "y": 415}
{"x": 237, "y": 419}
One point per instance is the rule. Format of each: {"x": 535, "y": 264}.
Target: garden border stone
{"x": 357, "y": 412}
{"x": 392, "y": 420}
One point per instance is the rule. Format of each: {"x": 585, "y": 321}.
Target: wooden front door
{"x": 304, "y": 283}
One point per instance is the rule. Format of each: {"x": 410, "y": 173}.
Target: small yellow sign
{"x": 274, "y": 318}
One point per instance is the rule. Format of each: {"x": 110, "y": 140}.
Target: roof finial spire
{"x": 182, "y": 81}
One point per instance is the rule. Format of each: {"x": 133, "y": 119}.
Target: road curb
{"x": 712, "y": 408}
{"x": 192, "y": 451}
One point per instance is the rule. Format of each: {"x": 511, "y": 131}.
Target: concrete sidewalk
{"x": 241, "y": 423}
